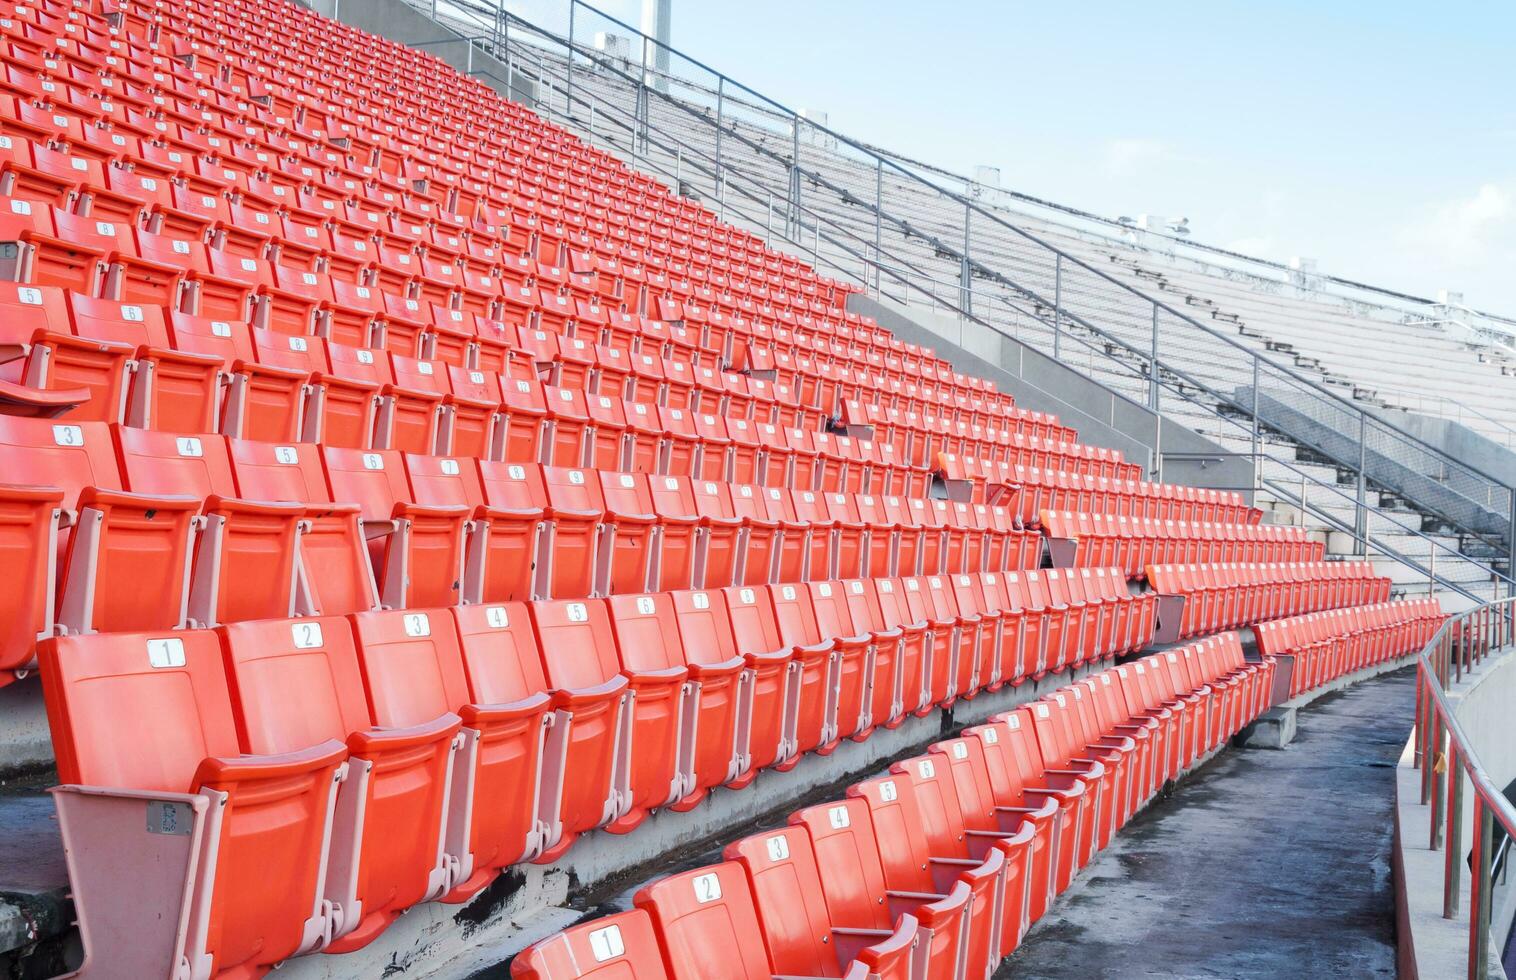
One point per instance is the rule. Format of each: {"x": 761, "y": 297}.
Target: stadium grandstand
{"x": 485, "y": 496}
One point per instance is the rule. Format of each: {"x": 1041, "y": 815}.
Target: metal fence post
{"x": 1058, "y": 306}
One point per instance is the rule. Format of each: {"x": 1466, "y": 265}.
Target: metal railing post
{"x": 793, "y": 218}
{"x": 639, "y": 117}
{"x": 1153, "y": 364}
{"x": 1434, "y": 837}
{"x": 1453, "y": 858}
{"x": 1057, "y": 307}
{"x": 1510, "y": 551}
{"x": 965, "y": 273}
{"x": 1361, "y": 515}
{"x": 1257, "y": 468}
{"x": 878, "y": 222}
{"x": 568, "y": 64}
{"x": 1479, "y": 892}
{"x": 720, "y": 111}
{"x": 505, "y": 39}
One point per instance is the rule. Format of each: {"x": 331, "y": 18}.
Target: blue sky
{"x": 1377, "y": 138}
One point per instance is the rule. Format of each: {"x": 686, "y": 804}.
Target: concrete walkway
{"x": 1268, "y": 863}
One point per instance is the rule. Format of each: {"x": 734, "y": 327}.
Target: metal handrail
{"x": 971, "y": 205}
{"x": 1380, "y": 427}
{"x": 1286, "y": 492}
{"x": 1508, "y": 324}
{"x": 1368, "y": 541}
{"x": 1155, "y": 374}
{"x": 777, "y": 108}
{"x": 1446, "y": 758}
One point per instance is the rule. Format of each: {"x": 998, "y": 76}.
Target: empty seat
{"x": 295, "y": 683}
{"x": 229, "y": 870}
{"x": 622, "y": 946}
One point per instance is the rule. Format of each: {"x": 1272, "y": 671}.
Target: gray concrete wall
{"x": 1039, "y": 382}
{"x": 1458, "y": 441}
{"x": 398, "y": 21}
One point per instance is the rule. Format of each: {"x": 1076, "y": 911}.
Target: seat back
{"x": 790, "y": 900}
{"x": 707, "y": 916}
{"x": 412, "y": 665}
{"x": 578, "y": 645}
{"x": 614, "y": 947}
{"x": 294, "y": 682}
{"x": 646, "y": 631}
{"x": 847, "y": 858}
{"x": 98, "y": 687}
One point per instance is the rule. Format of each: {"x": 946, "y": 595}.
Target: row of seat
{"x": 326, "y": 529}
{"x": 417, "y": 386}
{"x": 1133, "y": 544}
{"x": 1029, "y": 491}
{"x": 1010, "y": 435}
{"x": 77, "y": 179}
{"x": 1327, "y": 645}
{"x": 409, "y": 208}
{"x": 110, "y": 254}
{"x": 937, "y": 867}
{"x": 495, "y": 733}
{"x": 1228, "y": 596}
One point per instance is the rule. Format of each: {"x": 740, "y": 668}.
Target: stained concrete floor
{"x": 1267, "y": 863}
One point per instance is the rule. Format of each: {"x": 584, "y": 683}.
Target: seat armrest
{"x": 484, "y": 714}
{"x": 567, "y": 698}
{"x": 327, "y": 754}
{"x": 722, "y": 669}
{"x": 664, "y": 676}
{"x": 390, "y": 739}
